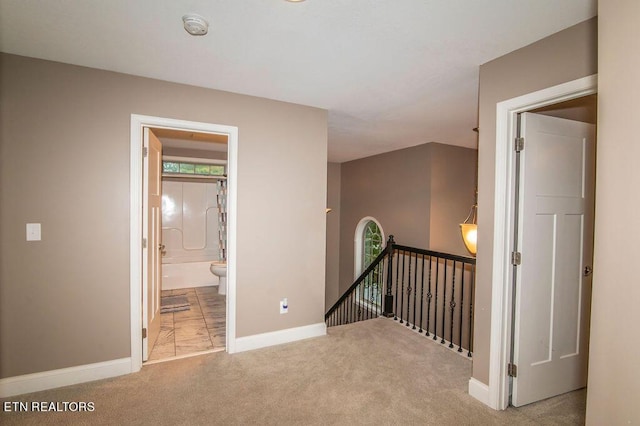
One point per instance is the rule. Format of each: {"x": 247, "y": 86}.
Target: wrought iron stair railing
{"x": 429, "y": 291}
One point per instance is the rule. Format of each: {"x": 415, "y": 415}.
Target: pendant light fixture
{"x": 469, "y": 228}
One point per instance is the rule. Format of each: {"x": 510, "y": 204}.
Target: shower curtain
{"x": 221, "y": 200}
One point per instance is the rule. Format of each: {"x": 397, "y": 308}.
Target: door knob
{"x": 588, "y": 270}
{"x": 161, "y": 247}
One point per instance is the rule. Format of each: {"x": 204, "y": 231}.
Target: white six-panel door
{"x": 553, "y": 285}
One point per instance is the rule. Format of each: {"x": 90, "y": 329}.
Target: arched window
{"x": 369, "y": 243}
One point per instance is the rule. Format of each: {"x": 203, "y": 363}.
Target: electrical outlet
{"x": 34, "y": 232}
{"x": 284, "y": 306}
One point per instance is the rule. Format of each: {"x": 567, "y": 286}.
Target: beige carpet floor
{"x": 374, "y": 372}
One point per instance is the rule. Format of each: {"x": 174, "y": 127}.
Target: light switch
{"x": 33, "y": 232}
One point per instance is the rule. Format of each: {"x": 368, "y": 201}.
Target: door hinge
{"x": 519, "y": 145}
{"x": 144, "y": 243}
{"x": 516, "y": 258}
{"x": 145, "y": 151}
{"x": 144, "y": 333}
{"x": 512, "y": 370}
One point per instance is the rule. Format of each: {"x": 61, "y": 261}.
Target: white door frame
{"x": 135, "y": 244}
{"x": 506, "y": 128}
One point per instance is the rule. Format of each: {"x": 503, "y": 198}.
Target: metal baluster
{"x": 355, "y": 313}
{"x": 377, "y": 301}
{"x": 435, "y": 300}
{"x": 464, "y": 265}
{"x": 373, "y": 285}
{"x": 409, "y": 290}
{"x": 380, "y": 287}
{"x": 352, "y": 308}
{"x": 380, "y": 299}
{"x": 346, "y": 310}
{"x": 395, "y": 313}
{"x": 374, "y": 296}
{"x": 429, "y": 296}
{"x": 388, "y": 297}
{"x": 355, "y": 308}
{"x": 415, "y": 290}
{"x": 366, "y": 304}
{"x": 421, "y": 294}
{"x": 369, "y": 303}
{"x": 473, "y": 283}
{"x": 359, "y": 305}
{"x": 374, "y": 299}
{"x": 345, "y": 303}
{"x": 444, "y": 300}
{"x": 452, "y": 303}
{"x": 402, "y": 289}
{"x": 345, "y": 319}
{"x": 385, "y": 283}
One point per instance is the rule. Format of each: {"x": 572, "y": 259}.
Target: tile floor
{"x": 201, "y": 328}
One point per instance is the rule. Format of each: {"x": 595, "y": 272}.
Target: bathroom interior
{"x": 194, "y": 229}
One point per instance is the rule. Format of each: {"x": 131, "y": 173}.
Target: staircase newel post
{"x": 388, "y": 297}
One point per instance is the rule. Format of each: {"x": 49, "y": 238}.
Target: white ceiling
{"x": 391, "y": 73}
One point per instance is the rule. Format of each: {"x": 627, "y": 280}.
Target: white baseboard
{"x": 264, "y": 340}
{"x": 35, "y": 382}
{"x": 479, "y": 391}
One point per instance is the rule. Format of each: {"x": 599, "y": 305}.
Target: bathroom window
{"x": 369, "y": 243}
{"x": 185, "y": 168}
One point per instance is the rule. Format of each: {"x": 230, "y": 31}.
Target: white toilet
{"x": 219, "y": 269}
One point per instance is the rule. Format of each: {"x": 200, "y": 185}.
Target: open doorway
{"x": 497, "y": 395}
{"x": 193, "y": 241}
{"x": 553, "y": 250}
{"x": 187, "y": 134}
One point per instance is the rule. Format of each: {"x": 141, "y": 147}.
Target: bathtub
{"x": 179, "y": 274}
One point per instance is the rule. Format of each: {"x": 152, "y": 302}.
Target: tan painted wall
{"x": 613, "y": 389}
{"x": 559, "y": 58}
{"x": 392, "y": 187}
{"x": 333, "y": 235}
{"x": 418, "y": 194}
{"x": 452, "y": 191}
{"x": 64, "y": 162}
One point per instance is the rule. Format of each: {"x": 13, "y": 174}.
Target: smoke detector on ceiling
{"x": 195, "y": 25}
